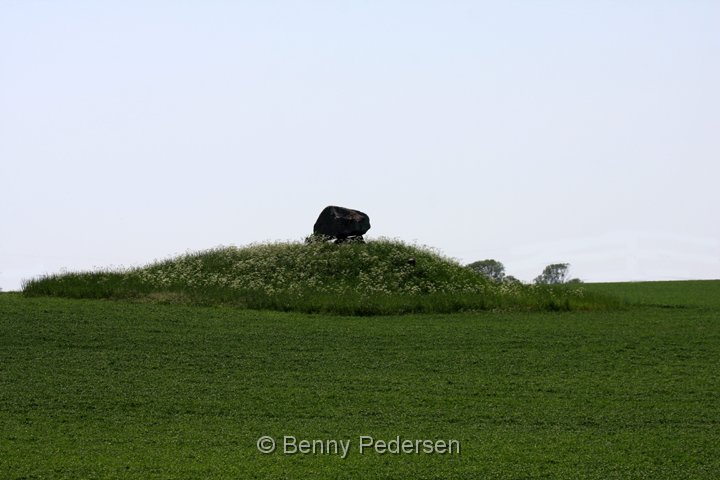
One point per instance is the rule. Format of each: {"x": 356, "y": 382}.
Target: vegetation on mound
{"x": 378, "y": 277}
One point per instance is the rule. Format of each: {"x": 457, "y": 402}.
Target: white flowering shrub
{"x": 377, "y": 267}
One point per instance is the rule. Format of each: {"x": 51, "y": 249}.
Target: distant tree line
{"x": 554, "y": 274}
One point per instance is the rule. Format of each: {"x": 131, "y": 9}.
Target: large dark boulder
{"x": 341, "y": 223}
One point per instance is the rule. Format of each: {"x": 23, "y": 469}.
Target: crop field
{"x": 96, "y": 388}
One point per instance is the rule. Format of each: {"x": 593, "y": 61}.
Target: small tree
{"x": 553, "y": 274}
{"x": 489, "y": 268}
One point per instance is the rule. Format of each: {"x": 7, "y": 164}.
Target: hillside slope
{"x": 378, "y": 277}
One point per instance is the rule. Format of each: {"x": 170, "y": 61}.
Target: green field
{"x": 123, "y": 389}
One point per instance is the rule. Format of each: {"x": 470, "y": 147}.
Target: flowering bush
{"x": 376, "y": 267}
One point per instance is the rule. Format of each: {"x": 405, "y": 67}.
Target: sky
{"x": 530, "y": 132}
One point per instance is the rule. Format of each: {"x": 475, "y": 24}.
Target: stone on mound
{"x": 341, "y": 223}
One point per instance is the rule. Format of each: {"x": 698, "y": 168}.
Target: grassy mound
{"x": 378, "y": 277}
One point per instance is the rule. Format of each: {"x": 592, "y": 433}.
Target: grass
{"x": 379, "y": 277}
{"x": 99, "y": 389}
{"x": 680, "y": 294}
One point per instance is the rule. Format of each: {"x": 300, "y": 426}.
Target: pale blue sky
{"x": 530, "y": 132}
